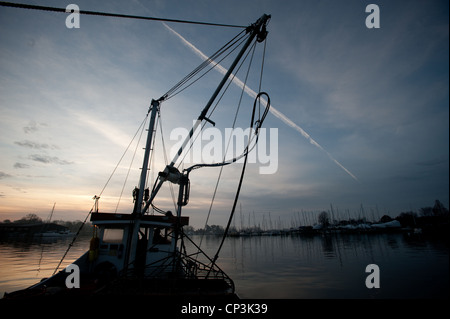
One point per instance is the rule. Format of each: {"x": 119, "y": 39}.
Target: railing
{"x": 178, "y": 265}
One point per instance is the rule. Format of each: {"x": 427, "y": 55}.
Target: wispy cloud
{"x": 432, "y": 162}
{"x": 253, "y": 94}
{"x": 35, "y": 145}
{"x": 32, "y": 127}
{"x": 4, "y": 175}
{"x": 106, "y": 129}
{"x": 49, "y": 159}
{"x": 21, "y": 165}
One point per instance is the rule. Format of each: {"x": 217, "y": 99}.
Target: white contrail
{"x": 253, "y": 94}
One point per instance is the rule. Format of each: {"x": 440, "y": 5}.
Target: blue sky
{"x": 375, "y": 99}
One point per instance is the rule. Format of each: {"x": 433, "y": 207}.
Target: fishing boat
{"x": 143, "y": 253}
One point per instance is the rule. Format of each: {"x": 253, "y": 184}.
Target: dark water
{"x": 334, "y": 267}
{"x": 289, "y": 267}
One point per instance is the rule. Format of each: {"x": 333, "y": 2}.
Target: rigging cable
{"x": 123, "y": 155}
{"x": 131, "y": 164}
{"x": 104, "y": 187}
{"x": 115, "y": 15}
{"x": 258, "y": 124}
{"x": 247, "y": 149}
{"x": 166, "y": 161}
{"x": 260, "y": 121}
{"x": 233, "y": 126}
{"x": 212, "y": 111}
{"x": 173, "y": 91}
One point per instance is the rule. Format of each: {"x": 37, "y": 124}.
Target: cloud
{"x": 105, "y": 128}
{"x": 49, "y": 159}
{"x": 31, "y": 144}
{"x": 432, "y": 162}
{"x": 21, "y": 165}
{"x": 4, "y": 175}
{"x": 32, "y": 127}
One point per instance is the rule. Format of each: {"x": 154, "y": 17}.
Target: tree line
{"x": 72, "y": 226}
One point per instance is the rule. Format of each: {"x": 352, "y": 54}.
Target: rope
{"x": 210, "y": 115}
{"x": 259, "y": 124}
{"x": 104, "y": 187}
{"x": 123, "y": 155}
{"x": 173, "y": 91}
{"x": 166, "y": 161}
{"x": 73, "y": 241}
{"x": 219, "y": 99}
{"x": 131, "y": 164}
{"x": 233, "y": 126}
{"x": 115, "y": 15}
{"x": 242, "y": 172}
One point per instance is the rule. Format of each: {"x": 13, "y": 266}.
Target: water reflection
{"x": 330, "y": 266}
{"x": 25, "y": 262}
{"x": 333, "y": 266}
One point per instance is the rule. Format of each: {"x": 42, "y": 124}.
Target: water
{"x": 289, "y": 267}
{"x": 24, "y": 263}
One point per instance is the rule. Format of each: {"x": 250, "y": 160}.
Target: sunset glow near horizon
{"x": 375, "y": 100}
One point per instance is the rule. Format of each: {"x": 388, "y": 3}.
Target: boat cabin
{"x": 154, "y": 248}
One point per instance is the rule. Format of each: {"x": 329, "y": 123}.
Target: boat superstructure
{"x": 145, "y": 254}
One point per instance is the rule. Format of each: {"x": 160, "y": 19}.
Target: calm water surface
{"x": 289, "y": 267}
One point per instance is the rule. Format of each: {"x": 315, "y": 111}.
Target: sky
{"x": 361, "y": 115}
